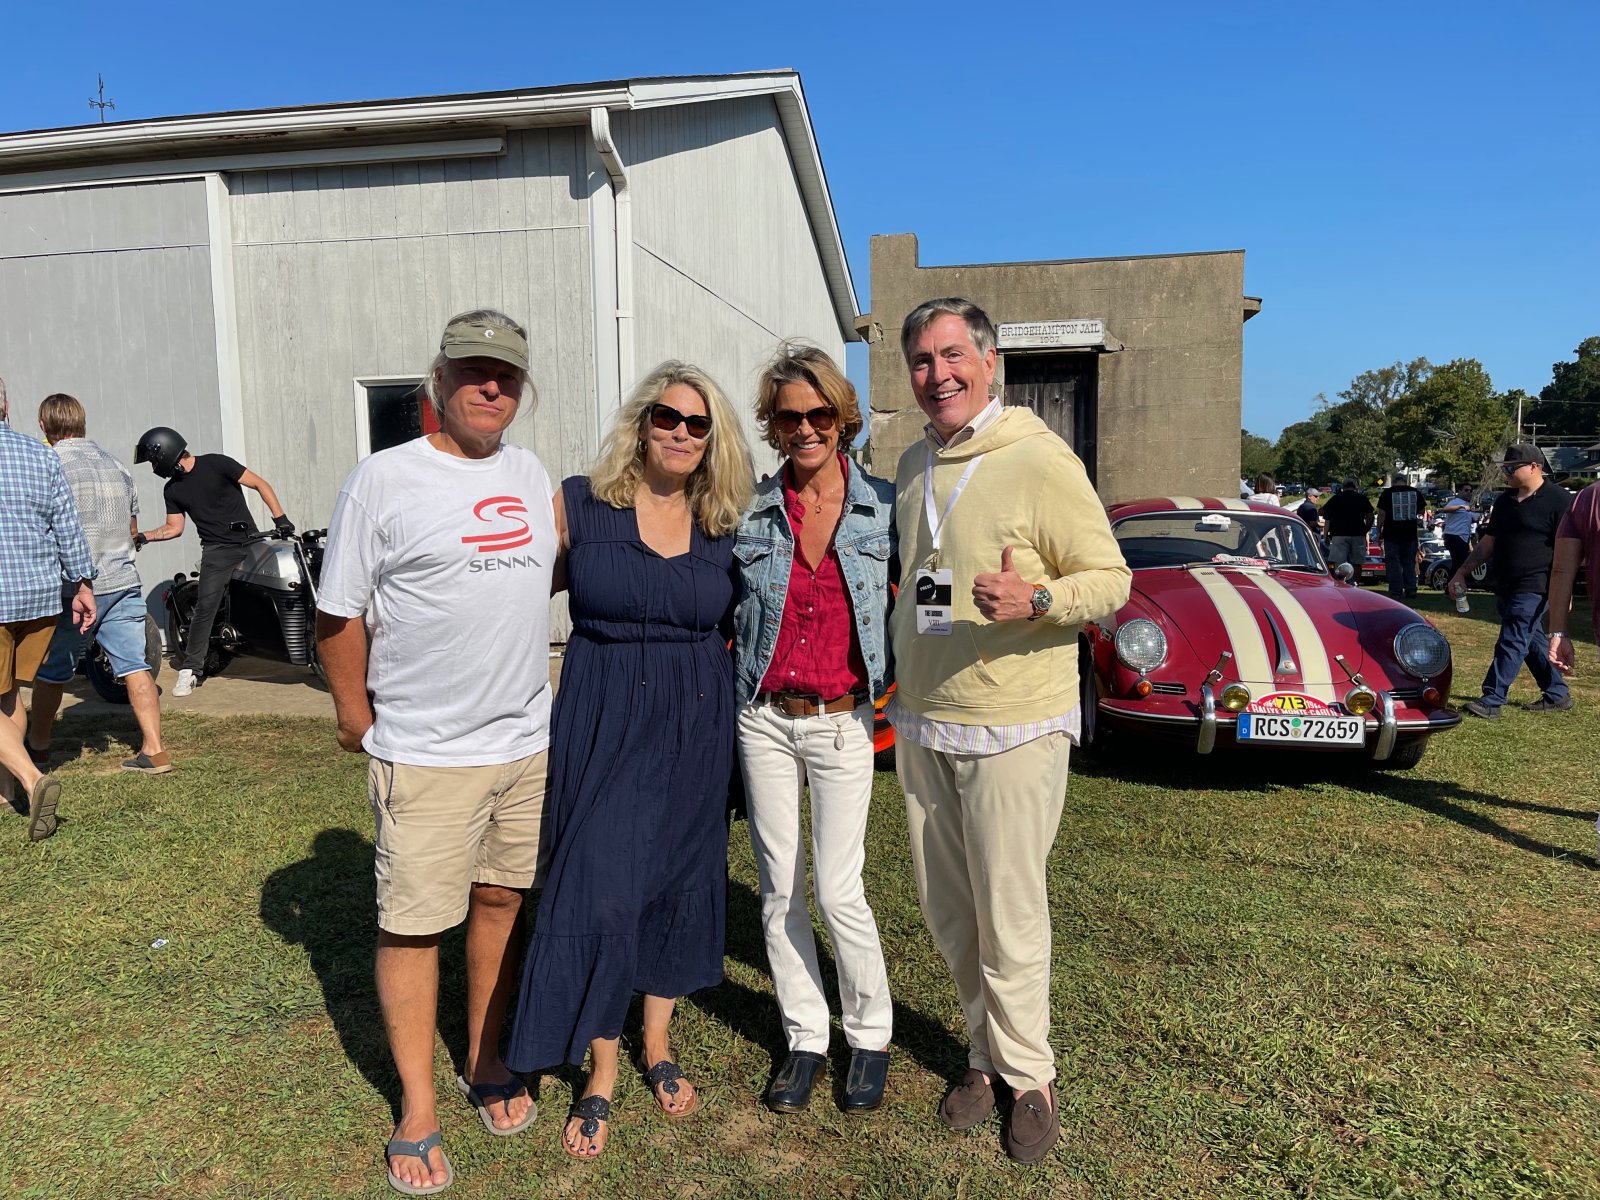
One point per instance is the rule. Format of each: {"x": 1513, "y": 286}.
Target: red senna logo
{"x": 509, "y": 509}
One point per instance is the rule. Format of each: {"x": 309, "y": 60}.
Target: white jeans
{"x": 779, "y": 755}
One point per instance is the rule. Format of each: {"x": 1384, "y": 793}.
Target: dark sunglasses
{"x": 820, "y": 419}
{"x": 664, "y": 416}
{"x": 1512, "y": 468}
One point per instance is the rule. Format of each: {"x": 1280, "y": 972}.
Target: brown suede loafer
{"x": 966, "y": 1104}
{"x": 1032, "y": 1126}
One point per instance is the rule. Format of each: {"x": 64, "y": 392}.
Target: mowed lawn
{"x": 1272, "y": 976}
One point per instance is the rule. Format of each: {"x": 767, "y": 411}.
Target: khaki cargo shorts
{"x": 442, "y": 829}
{"x": 23, "y": 645}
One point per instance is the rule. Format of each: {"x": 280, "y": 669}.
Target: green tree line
{"x": 1445, "y": 416}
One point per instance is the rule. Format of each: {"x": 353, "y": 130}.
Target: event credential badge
{"x": 934, "y": 592}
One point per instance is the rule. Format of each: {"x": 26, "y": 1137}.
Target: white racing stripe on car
{"x": 1250, "y": 658}
{"x": 1185, "y": 502}
{"x": 1316, "y": 671}
{"x": 1236, "y": 505}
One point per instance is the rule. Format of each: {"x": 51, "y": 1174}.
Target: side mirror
{"x": 1344, "y": 572}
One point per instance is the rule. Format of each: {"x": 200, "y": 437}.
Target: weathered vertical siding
{"x": 724, "y": 264}
{"x": 105, "y": 294}
{"x": 350, "y": 272}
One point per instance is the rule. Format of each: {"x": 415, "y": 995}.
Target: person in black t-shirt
{"x": 1398, "y": 507}
{"x": 1521, "y": 540}
{"x": 209, "y": 488}
{"x": 1346, "y": 516}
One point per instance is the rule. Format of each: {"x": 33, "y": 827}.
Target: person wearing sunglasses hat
{"x": 433, "y": 619}
{"x": 810, "y": 654}
{"x": 1520, "y": 543}
{"x": 642, "y": 746}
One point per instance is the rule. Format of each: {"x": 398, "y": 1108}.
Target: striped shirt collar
{"x": 982, "y": 421}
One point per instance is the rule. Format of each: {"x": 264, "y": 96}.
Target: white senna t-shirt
{"x": 449, "y": 560}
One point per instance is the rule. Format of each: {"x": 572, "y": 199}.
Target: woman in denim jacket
{"x": 811, "y": 651}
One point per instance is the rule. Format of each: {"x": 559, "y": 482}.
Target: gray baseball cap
{"x": 475, "y": 339}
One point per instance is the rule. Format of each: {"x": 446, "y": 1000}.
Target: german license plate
{"x": 1306, "y": 729}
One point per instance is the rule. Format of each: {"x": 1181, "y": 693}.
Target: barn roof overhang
{"x": 422, "y": 126}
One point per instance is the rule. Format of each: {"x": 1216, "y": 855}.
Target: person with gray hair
{"x": 433, "y": 622}
{"x": 1005, "y": 552}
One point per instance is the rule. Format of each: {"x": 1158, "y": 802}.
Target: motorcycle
{"x": 269, "y": 608}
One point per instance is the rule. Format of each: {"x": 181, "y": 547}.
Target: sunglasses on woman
{"x": 820, "y": 419}
{"x": 664, "y": 416}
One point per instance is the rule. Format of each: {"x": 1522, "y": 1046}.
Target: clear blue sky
{"x": 1407, "y": 178}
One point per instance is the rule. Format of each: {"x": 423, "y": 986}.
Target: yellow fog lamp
{"x": 1235, "y": 696}
{"x": 1360, "y": 701}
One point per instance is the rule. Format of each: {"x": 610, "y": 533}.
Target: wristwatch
{"x": 1556, "y": 634}
{"x": 1042, "y": 600}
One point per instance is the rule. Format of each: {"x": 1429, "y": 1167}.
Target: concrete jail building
{"x": 1136, "y": 362}
{"x": 273, "y": 283}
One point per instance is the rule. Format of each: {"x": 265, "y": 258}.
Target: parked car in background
{"x": 1237, "y": 636}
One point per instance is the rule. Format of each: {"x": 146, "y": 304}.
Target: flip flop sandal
{"x": 481, "y": 1095}
{"x": 665, "y": 1075}
{"x": 419, "y": 1149}
{"x": 42, "y": 802}
{"x": 594, "y": 1111}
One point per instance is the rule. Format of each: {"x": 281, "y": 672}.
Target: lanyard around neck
{"x": 936, "y": 521}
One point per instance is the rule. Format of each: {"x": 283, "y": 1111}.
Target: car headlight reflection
{"x": 1141, "y": 646}
{"x": 1234, "y": 697}
{"x": 1360, "y": 701}
{"x": 1422, "y": 650}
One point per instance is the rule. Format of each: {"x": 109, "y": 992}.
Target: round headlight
{"x": 1235, "y": 696}
{"x": 1422, "y": 650}
{"x": 1141, "y": 645}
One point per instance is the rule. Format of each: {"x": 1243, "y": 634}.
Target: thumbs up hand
{"x": 1005, "y": 595}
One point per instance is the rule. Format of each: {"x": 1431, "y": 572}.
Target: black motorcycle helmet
{"x": 161, "y": 448}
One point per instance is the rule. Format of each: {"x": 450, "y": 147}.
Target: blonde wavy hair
{"x": 800, "y": 362}
{"x": 721, "y": 485}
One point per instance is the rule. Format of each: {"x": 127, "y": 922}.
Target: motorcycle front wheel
{"x": 102, "y": 676}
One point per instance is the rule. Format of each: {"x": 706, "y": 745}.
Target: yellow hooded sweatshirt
{"x": 1031, "y": 493}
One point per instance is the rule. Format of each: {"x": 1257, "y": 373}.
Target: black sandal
{"x": 665, "y": 1075}
{"x": 593, "y": 1111}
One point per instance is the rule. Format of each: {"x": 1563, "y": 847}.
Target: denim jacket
{"x": 764, "y": 551}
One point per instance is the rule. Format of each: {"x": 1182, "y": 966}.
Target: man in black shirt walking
{"x": 1347, "y": 515}
{"x": 208, "y": 488}
{"x": 1398, "y": 507}
{"x": 1521, "y": 541}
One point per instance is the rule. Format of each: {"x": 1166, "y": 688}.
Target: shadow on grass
{"x": 1262, "y": 772}
{"x": 327, "y": 904}
{"x": 755, "y": 1017}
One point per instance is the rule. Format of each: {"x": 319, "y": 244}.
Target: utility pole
{"x": 102, "y": 103}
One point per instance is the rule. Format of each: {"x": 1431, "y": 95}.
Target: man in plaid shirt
{"x": 42, "y": 548}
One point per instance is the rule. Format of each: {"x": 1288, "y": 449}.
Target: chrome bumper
{"x": 1384, "y": 746}
{"x": 1207, "y": 740}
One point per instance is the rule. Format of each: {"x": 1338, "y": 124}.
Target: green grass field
{"x": 1273, "y": 977}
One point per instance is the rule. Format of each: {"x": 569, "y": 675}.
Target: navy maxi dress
{"x": 641, "y": 752}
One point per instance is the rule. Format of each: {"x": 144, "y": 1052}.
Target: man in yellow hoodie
{"x": 1007, "y": 551}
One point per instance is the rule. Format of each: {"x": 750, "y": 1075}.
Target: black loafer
{"x": 863, "y": 1086}
{"x": 790, "y": 1090}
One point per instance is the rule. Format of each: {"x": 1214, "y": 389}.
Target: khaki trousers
{"x": 981, "y": 832}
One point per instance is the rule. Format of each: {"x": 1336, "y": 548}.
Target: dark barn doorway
{"x": 1063, "y": 391}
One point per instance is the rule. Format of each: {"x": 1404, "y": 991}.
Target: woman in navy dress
{"x": 642, "y": 746}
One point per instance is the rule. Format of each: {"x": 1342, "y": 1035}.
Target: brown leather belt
{"x": 793, "y": 704}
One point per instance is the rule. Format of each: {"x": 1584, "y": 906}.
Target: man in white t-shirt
{"x": 1458, "y": 521}
{"x": 434, "y": 628}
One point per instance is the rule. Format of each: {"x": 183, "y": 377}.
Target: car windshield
{"x": 1233, "y": 538}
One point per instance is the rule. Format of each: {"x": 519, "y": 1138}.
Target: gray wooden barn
{"x": 273, "y": 283}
